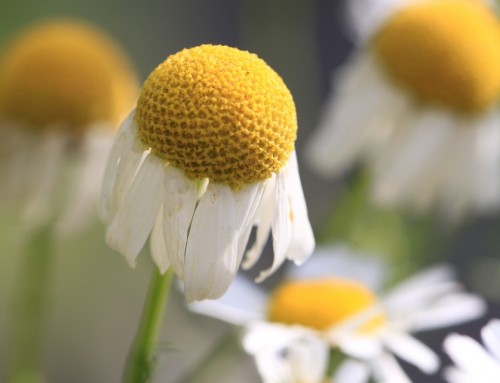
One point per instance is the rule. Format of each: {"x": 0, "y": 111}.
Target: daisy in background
{"x": 418, "y": 103}
{"x": 473, "y": 362}
{"x": 317, "y": 310}
{"x": 207, "y": 154}
{"x": 64, "y": 87}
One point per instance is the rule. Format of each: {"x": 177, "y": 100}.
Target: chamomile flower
{"x": 64, "y": 86}
{"x": 418, "y": 103}
{"x": 343, "y": 314}
{"x": 207, "y": 154}
{"x": 474, "y": 363}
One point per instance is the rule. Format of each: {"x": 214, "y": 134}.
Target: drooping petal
{"x": 179, "y": 201}
{"x": 354, "y": 117}
{"x": 263, "y": 220}
{"x": 157, "y": 245}
{"x": 212, "y": 247}
{"x": 282, "y": 228}
{"x": 487, "y": 163}
{"x": 412, "y": 350}
{"x": 82, "y": 198}
{"x": 45, "y": 177}
{"x": 302, "y": 244}
{"x": 405, "y": 167}
{"x": 248, "y": 200}
{"x": 122, "y": 145}
{"x": 137, "y": 213}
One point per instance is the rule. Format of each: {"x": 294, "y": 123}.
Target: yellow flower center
{"x": 220, "y": 113}
{"x": 65, "y": 74}
{"x": 446, "y": 52}
{"x": 322, "y": 303}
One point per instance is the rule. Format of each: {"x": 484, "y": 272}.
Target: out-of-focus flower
{"x": 207, "y": 154}
{"x": 473, "y": 363}
{"x": 64, "y": 86}
{"x": 324, "y": 311}
{"x": 418, "y": 103}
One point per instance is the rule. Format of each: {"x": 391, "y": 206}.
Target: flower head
{"x": 63, "y": 87}
{"x": 428, "y": 49}
{"x": 207, "y": 154}
{"x": 218, "y": 113}
{"x": 417, "y": 103}
{"x": 66, "y": 74}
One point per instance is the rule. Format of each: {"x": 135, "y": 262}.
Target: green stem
{"x": 141, "y": 363}
{"x": 30, "y": 307}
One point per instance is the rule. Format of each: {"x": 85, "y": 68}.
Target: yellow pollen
{"x": 445, "y": 52}
{"x": 65, "y": 74}
{"x": 321, "y": 303}
{"x": 220, "y": 113}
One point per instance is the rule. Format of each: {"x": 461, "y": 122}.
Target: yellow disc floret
{"x": 321, "y": 303}
{"x": 65, "y": 74}
{"x": 220, "y": 113}
{"x": 445, "y": 52}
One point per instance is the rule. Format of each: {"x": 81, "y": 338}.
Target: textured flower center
{"x": 321, "y": 303}
{"x": 65, "y": 74}
{"x": 445, "y": 52}
{"x": 220, "y": 113}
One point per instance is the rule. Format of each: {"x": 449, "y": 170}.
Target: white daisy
{"x": 63, "y": 88}
{"x": 207, "y": 154}
{"x": 321, "y": 306}
{"x": 474, "y": 363}
{"x": 418, "y": 103}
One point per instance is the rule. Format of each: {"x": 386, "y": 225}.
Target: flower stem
{"x": 141, "y": 363}
{"x": 30, "y": 307}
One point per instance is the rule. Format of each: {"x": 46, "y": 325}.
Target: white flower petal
{"x": 487, "y": 162}
{"x": 405, "y": 166}
{"x": 248, "y": 200}
{"x": 413, "y": 351}
{"x": 157, "y": 244}
{"x": 338, "y": 260}
{"x": 352, "y": 371}
{"x": 387, "y": 370}
{"x": 179, "y": 201}
{"x": 491, "y": 337}
{"x": 419, "y": 290}
{"x": 263, "y": 220}
{"x": 454, "y": 375}
{"x": 212, "y": 247}
{"x": 450, "y": 310}
{"x": 359, "y": 346}
{"x": 136, "y": 215}
{"x": 287, "y": 353}
{"x": 469, "y": 356}
{"x": 303, "y": 242}
{"x": 354, "y": 117}
{"x": 122, "y": 145}
{"x": 243, "y": 303}
{"x": 46, "y": 172}
{"x": 82, "y": 199}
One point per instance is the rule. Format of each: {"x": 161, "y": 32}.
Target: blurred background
{"x": 96, "y": 298}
